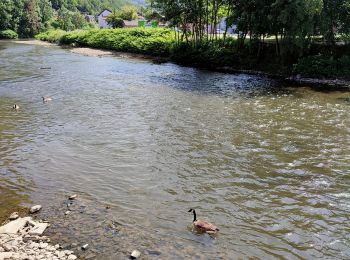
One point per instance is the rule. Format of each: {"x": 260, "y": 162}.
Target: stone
{"x": 135, "y": 254}
{"x": 14, "y": 226}
{"x": 38, "y": 229}
{"x": 84, "y": 247}
{"x": 71, "y": 257}
{"x": 90, "y": 256}
{"x": 35, "y": 209}
{"x": 43, "y": 245}
{"x": 5, "y": 255}
{"x": 14, "y": 216}
{"x": 68, "y": 252}
{"x": 61, "y": 254}
{"x": 67, "y": 212}
{"x": 7, "y": 247}
{"x": 73, "y": 197}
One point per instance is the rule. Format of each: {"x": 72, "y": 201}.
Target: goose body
{"x": 15, "y": 107}
{"x": 46, "y": 99}
{"x": 203, "y": 225}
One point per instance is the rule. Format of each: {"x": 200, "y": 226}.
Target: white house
{"x": 102, "y": 23}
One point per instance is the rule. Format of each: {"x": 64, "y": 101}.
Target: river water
{"x": 267, "y": 162}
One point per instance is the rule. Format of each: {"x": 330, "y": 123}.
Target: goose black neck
{"x": 194, "y": 216}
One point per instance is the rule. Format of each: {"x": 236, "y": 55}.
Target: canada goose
{"x": 203, "y": 225}
{"x": 15, "y": 107}
{"x": 46, "y": 99}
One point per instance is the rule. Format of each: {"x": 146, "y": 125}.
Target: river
{"x": 142, "y": 143}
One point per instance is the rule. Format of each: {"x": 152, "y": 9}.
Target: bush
{"x": 8, "y": 34}
{"x": 53, "y": 36}
{"x": 156, "y": 42}
{"x": 326, "y": 66}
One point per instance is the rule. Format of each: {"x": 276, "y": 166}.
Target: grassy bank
{"x": 211, "y": 55}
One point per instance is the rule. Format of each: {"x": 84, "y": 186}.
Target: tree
{"x": 128, "y": 13}
{"x": 114, "y": 20}
{"x": 46, "y": 12}
{"x": 6, "y": 9}
{"x": 29, "y": 24}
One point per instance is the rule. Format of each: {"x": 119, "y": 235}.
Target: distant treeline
{"x": 28, "y": 17}
{"x": 294, "y": 25}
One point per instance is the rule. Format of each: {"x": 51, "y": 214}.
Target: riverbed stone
{"x": 5, "y": 255}
{"x": 135, "y": 254}
{"x": 61, "y": 254}
{"x": 71, "y": 257}
{"x": 43, "y": 245}
{"x": 35, "y": 209}
{"x": 14, "y": 226}
{"x": 73, "y": 197}
{"x": 14, "y": 216}
{"x": 38, "y": 229}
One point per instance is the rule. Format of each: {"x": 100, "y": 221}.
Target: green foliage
{"x": 53, "y": 36}
{"x": 114, "y": 20}
{"x": 128, "y": 12}
{"x": 319, "y": 65}
{"x": 8, "y": 34}
{"x": 28, "y": 17}
{"x": 157, "y": 42}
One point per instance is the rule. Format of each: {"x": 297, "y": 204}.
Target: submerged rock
{"x": 73, "y": 197}
{"x": 135, "y": 254}
{"x": 35, "y": 209}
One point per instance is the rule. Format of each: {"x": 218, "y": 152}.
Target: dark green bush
{"x": 8, "y": 34}
{"x": 326, "y": 66}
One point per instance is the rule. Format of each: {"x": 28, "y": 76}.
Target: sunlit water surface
{"x": 268, "y": 163}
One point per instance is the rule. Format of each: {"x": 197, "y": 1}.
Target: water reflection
{"x": 14, "y": 182}
{"x": 268, "y": 163}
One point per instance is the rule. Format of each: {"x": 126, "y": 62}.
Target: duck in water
{"x": 202, "y": 225}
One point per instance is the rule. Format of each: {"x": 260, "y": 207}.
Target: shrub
{"x": 326, "y": 66}
{"x": 8, "y": 34}
{"x": 136, "y": 40}
{"x": 53, "y": 36}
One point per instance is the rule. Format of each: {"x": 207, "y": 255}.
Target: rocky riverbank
{"x": 22, "y": 238}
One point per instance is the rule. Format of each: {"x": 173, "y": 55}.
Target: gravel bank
{"x": 23, "y": 238}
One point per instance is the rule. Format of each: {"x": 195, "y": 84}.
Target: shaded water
{"x": 269, "y": 164}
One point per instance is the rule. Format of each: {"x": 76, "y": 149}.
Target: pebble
{"x": 71, "y": 257}
{"x": 43, "y": 245}
{"x": 84, "y": 247}
{"x": 73, "y": 197}
{"x": 14, "y": 216}
{"x": 67, "y": 212}
{"x": 135, "y": 254}
{"x": 60, "y": 254}
{"x": 35, "y": 209}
